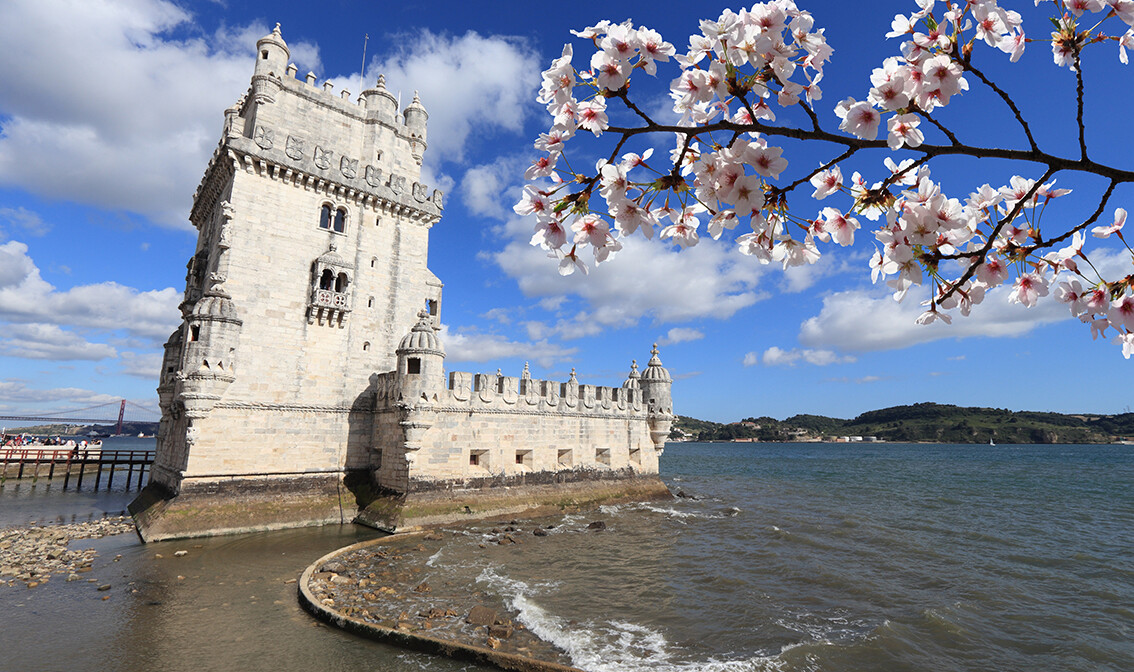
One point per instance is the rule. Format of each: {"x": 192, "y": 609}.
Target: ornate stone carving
{"x": 295, "y": 148}
{"x": 323, "y": 158}
{"x": 224, "y": 239}
{"x": 349, "y": 167}
{"x": 419, "y": 192}
{"x": 264, "y": 137}
{"x": 397, "y": 184}
{"x": 374, "y": 176}
{"x": 438, "y": 198}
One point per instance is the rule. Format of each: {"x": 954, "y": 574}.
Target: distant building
{"x": 307, "y": 380}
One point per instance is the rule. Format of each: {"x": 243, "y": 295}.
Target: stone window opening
{"x": 264, "y": 55}
{"x": 370, "y": 302}
{"x": 340, "y": 220}
{"x": 524, "y": 458}
{"x": 431, "y": 306}
{"x": 636, "y": 455}
{"x": 377, "y": 221}
{"x": 602, "y": 456}
{"x": 366, "y": 346}
{"x": 194, "y": 332}
{"x": 341, "y": 283}
{"x": 564, "y": 457}
{"x": 478, "y": 458}
{"x": 413, "y": 365}
{"x": 325, "y": 216}
{"x": 373, "y": 262}
{"x": 327, "y": 280}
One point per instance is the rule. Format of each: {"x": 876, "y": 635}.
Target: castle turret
{"x": 416, "y": 118}
{"x": 210, "y": 352}
{"x": 421, "y": 362}
{"x": 633, "y": 380}
{"x": 272, "y": 54}
{"x": 380, "y": 102}
{"x": 657, "y": 388}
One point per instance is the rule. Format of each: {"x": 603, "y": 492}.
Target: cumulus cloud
{"x": 145, "y": 365}
{"x": 26, "y": 298}
{"x": 478, "y": 347}
{"x": 681, "y": 335}
{"x": 114, "y": 93}
{"x": 482, "y": 187}
{"x": 47, "y": 341}
{"x": 644, "y": 280}
{"x": 467, "y": 82}
{"x": 774, "y": 356}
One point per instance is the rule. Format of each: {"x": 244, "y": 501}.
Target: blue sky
{"x": 110, "y": 110}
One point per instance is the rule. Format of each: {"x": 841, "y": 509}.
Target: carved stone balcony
{"x": 328, "y": 307}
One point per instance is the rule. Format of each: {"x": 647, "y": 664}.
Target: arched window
{"x": 325, "y": 217}
{"x": 341, "y": 283}
{"x": 340, "y": 220}
{"x": 327, "y": 280}
{"x": 366, "y": 346}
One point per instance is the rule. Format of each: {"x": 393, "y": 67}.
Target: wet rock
{"x": 493, "y": 643}
{"x": 597, "y": 525}
{"x": 500, "y": 631}
{"x": 422, "y": 587}
{"x": 433, "y": 536}
{"x": 103, "y": 588}
{"x": 334, "y": 568}
{"x": 481, "y": 615}
{"x": 540, "y": 532}
{"x": 180, "y": 554}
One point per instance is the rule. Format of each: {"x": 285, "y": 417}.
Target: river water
{"x": 781, "y": 557}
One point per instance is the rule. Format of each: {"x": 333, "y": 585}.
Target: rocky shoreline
{"x": 32, "y": 554}
{"x": 382, "y": 583}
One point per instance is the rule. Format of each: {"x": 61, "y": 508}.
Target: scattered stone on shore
{"x": 32, "y": 554}
{"x": 597, "y": 525}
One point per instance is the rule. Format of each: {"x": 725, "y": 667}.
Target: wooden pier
{"x": 73, "y": 464}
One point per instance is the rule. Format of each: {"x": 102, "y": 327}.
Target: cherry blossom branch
{"x": 968, "y": 66}
{"x": 1079, "y": 100}
{"x": 948, "y": 134}
{"x": 826, "y": 166}
{"x": 1090, "y": 220}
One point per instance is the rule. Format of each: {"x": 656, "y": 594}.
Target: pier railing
{"x": 42, "y": 461}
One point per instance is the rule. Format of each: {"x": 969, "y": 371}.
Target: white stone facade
{"x": 296, "y": 357}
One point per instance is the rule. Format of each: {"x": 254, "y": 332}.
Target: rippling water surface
{"x": 780, "y": 557}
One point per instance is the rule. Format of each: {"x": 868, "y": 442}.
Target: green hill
{"x": 942, "y": 423}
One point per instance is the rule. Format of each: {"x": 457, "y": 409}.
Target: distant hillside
{"x": 128, "y": 429}
{"x": 942, "y": 423}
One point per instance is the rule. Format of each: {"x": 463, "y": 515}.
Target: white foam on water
{"x": 433, "y": 559}
{"x": 610, "y": 646}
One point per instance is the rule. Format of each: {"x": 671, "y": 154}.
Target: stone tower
{"x": 310, "y": 267}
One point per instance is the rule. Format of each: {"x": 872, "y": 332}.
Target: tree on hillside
{"x": 726, "y": 164}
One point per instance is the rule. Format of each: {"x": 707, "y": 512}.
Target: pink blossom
{"x": 903, "y": 131}
{"x": 592, "y": 116}
{"x": 826, "y": 182}
{"x": 1071, "y": 292}
{"x": 1028, "y": 289}
{"x": 549, "y": 235}
{"x": 1121, "y": 313}
{"x": 570, "y": 263}
{"x": 591, "y": 229}
{"x": 859, "y": 118}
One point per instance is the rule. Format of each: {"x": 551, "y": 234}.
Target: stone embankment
{"x": 377, "y": 589}
{"x": 32, "y": 554}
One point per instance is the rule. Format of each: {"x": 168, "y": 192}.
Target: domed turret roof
{"x": 215, "y": 304}
{"x": 632, "y": 380}
{"x": 422, "y": 338}
{"x": 275, "y": 38}
{"x": 655, "y": 372}
{"x": 416, "y": 105}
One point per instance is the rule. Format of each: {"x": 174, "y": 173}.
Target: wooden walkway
{"x": 37, "y": 462}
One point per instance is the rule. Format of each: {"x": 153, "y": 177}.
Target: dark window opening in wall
{"x": 194, "y": 332}
{"x": 341, "y": 283}
{"x": 366, "y": 346}
{"x": 340, "y": 220}
{"x": 431, "y": 306}
{"x": 327, "y": 280}
{"x": 474, "y": 459}
{"x": 377, "y": 221}
{"x": 264, "y": 54}
{"x": 602, "y": 456}
{"x": 564, "y": 457}
{"x": 370, "y": 302}
{"x": 413, "y": 365}
{"x": 373, "y": 261}
{"x": 325, "y": 217}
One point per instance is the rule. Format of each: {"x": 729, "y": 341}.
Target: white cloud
{"x": 47, "y": 341}
{"x": 25, "y": 220}
{"x": 26, "y": 298}
{"x": 645, "y": 280}
{"x": 774, "y": 356}
{"x": 112, "y": 110}
{"x": 681, "y": 335}
{"x": 145, "y": 365}
{"x": 483, "y": 187}
{"x": 751, "y": 358}
{"x": 466, "y": 83}
{"x": 477, "y": 347}
{"x": 15, "y": 394}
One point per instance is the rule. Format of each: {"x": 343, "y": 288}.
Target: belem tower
{"x": 306, "y": 383}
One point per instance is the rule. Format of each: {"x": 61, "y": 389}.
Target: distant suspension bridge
{"x": 97, "y": 414}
